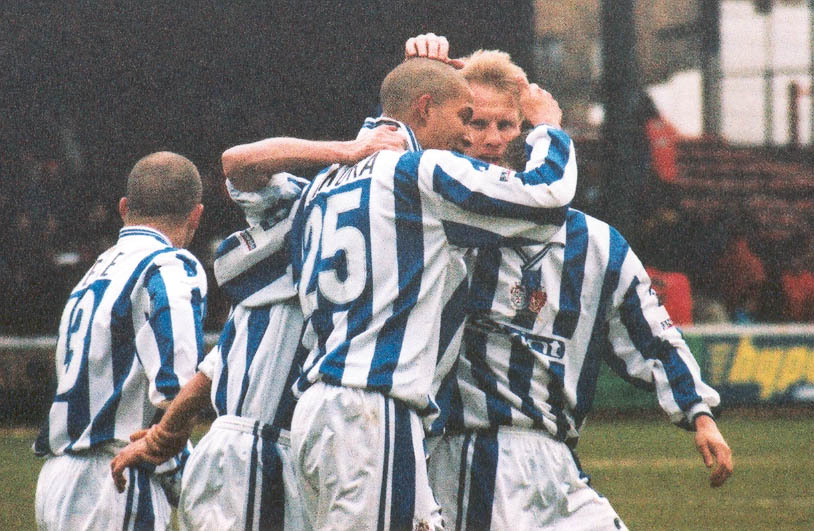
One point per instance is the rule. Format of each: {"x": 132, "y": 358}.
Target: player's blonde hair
{"x": 163, "y": 184}
{"x": 495, "y": 69}
{"x": 414, "y": 78}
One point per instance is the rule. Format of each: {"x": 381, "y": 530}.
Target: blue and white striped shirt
{"x": 543, "y": 318}
{"x": 374, "y": 246}
{"x": 258, "y": 356}
{"x": 130, "y": 336}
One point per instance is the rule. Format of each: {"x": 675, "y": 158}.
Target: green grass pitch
{"x": 648, "y": 469}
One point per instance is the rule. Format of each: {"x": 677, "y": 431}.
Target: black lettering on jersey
{"x": 345, "y": 174}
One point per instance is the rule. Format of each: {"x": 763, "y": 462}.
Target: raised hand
{"x": 431, "y": 46}
{"x": 539, "y": 106}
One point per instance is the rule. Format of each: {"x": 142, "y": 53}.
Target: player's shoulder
{"x": 178, "y": 259}
{"x": 594, "y": 229}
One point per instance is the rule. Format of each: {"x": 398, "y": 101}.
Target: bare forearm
{"x": 249, "y": 166}
{"x": 192, "y": 398}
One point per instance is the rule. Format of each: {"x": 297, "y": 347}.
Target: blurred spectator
{"x": 675, "y": 294}
{"x": 797, "y": 283}
{"x": 53, "y": 224}
{"x": 741, "y": 278}
{"x": 663, "y": 139}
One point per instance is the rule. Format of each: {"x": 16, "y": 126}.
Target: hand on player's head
{"x": 539, "y": 106}
{"x": 431, "y": 46}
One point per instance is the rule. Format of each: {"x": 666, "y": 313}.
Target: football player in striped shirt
{"x": 540, "y": 320}
{"x": 130, "y": 336}
{"x": 247, "y": 377}
{"x": 374, "y": 246}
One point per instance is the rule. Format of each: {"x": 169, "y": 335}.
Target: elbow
{"x": 236, "y": 170}
{"x": 229, "y": 161}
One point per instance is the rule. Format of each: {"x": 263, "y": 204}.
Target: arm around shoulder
{"x": 250, "y": 166}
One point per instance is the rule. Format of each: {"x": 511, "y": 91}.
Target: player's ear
{"x": 194, "y": 217}
{"x": 422, "y": 106}
{"x": 123, "y": 208}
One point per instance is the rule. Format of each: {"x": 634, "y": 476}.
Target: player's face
{"x": 449, "y": 124}
{"x": 495, "y": 122}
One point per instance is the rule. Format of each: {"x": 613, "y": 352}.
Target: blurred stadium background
{"x": 693, "y": 121}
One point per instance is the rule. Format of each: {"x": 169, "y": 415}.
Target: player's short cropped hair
{"x": 411, "y": 79}
{"x": 163, "y": 184}
{"x": 495, "y": 69}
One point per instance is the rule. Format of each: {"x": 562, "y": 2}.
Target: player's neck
{"x": 177, "y": 234}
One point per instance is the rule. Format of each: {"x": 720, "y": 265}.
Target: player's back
{"x": 373, "y": 259}
{"x": 127, "y": 341}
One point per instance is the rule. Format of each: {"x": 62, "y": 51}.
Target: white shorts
{"x": 360, "y": 460}
{"x": 514, "y": 479}
{"x": 240, "y": 476}
{"x": 76, "y": 492}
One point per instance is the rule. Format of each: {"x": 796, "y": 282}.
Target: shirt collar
{"x": 143, "y": 230}
{"x": 402, "y": 128}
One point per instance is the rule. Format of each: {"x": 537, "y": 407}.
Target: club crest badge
{"x": 523, "y": 299}
{"x": 517, "y": 297}
{"x": 537, "y": 300}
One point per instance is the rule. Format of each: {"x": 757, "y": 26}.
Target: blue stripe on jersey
{"x": 285, "y": 407}
{"x": 573, "y": 274}
{"x": 402, "y": 493}
{"x": 454, "y": 191}
{"x": 530, "y": 280}
{"x": 556, "y": 397}
{"x": 498, "y": 412}
{"x": 190, "y": 265}
{"x": 166, "y": 382}
{"x": 482, "y": 483}
{"x": 42, "y": 445}
{"x": 258, "y": 276}
{"x": 131, "y": 493}
{"x": 252, "y": 486}
{"x": 227, "y": 337}
{"x": 359, "y": 311}
{"x": 410, "y": 264}
{"x": 452, "y": 317}
{"x": 468, "y": 236}
{"x": 145, "y": 517}
{"x": 228, "y": 244}
{"x": 556, "y": 159}
{"x": 450, "y": 402}
{"x": 123, "y": 350}
{"x": 199, "y": 314}
{"x": 598, "y": 345}
{"x": 258, "y": 324}
{"x": 78, "y": 396}
{"x": 485, "y": 273}
{"x": 272, "y": 493}
{"x": 386, "y": 461}
{"x": 462, "y": 471}
{"x": 520, "y": 373}
{"x": 651, "y": 347}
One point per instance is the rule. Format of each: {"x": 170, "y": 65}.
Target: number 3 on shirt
{"x": 78, "y": 334}
{"x": 334, "y": 246}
